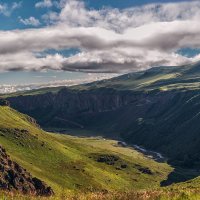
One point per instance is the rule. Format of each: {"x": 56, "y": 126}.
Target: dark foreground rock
{"x": 15, "y": 178}
{"x": 4, "y": 102}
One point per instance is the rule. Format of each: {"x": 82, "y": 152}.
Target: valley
{"x": 99, "y": 100}
{"x": 133, "y": 107}
{"x": 103, "y": 138}
{"x": 70, "y": 164}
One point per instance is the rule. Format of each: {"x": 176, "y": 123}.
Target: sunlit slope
{"x": 159, "y": 78}
{"x": 69, "y": 163}
{"x": 162, "y": 78}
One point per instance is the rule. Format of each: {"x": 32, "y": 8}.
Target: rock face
{"x": 69, "y": 108}
{"x": 101, "y": 100}
{"x": 4, "y": 102}
{"x": 163, "y": 121}
{"x": 15, "y": 178}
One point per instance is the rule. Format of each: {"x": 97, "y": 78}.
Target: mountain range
{"x": 157, "y": 110}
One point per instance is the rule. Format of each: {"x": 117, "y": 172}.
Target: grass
{"x": 158, "y": 78}
{"x": 65, "y": 162}
{"x": 169, "y": 194}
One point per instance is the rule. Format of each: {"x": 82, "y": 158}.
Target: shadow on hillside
{"x": 180, "y": 175}
{"x": 176, "y": 176}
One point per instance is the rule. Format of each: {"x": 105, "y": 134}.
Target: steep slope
{"x": 157, "y": 108}
{"x": 69, "y": 163}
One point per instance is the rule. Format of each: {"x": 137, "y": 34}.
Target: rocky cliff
{"x": 4, "y": 102}
{"x": 15, "y": 178}
{"x": 67, "y": 106}
{"x": 167, "y": 122}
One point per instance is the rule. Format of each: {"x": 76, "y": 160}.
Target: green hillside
{"x": 69, "y": 163}
{"x": 162, "y": 78}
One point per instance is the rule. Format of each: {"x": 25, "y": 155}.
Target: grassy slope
{"x": 158, "y": 78}
{"x": 64, "y": 163}
{"x": 56, "y": 166}
{"x": 69, "y": 149}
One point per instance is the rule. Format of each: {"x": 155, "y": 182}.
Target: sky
{"x": 65, "y": 42}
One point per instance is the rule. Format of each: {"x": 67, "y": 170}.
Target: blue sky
{"x": 28, "y": 9}
{"x": 75, "y": 39}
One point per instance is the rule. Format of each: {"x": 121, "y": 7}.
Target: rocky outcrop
{"x": 15, "y": 178}
{"x": 4, "y": 102}
{"x": 32, "y": 121}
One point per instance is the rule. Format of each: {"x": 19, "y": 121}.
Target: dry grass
{"x": 165, "y": 194}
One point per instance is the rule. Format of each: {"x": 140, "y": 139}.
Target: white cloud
{"x": 74, "y": 13}
{"x": 32, "y": 21}
{"x": 7, "y": 9}
{"x": 110, "y": 40}
{"x": 44, "y": 4}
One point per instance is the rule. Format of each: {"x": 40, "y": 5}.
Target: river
{"x": 148, "y": 153}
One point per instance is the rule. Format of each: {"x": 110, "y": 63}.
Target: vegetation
{"x": 68, "y": 164}
{"x": 140, "y": 108}
{"x": 157, "y": 108}
{"x": 159, "y": 194}
{"x": 159, "y": 78}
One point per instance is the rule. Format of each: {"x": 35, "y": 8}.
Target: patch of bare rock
{"x": 15, "y": 178}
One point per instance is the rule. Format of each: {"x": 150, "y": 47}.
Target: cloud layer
{"x": 10, "y": 88}
{"x": 109, "y": 40}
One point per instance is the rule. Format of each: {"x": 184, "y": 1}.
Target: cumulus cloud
{"x": 74, "y": 13}
{"x": 7, "y": 9}
{"x": 44, "y": 4}
{"x": 109, "y": 39}
{"x": 31, "y": 21}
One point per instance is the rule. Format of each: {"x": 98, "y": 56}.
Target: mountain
{"x": 70, "y": 164}
{"x": 158, "y": 109}
{"x": 78, "y": 168}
